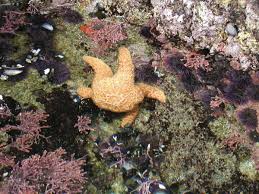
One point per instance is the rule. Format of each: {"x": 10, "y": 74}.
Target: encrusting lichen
{"x": 134, "y": 11}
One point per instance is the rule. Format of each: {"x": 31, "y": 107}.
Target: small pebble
{"x": 231, "y": 29}
{"x": 127, "y": 166}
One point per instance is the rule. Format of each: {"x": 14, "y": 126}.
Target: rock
{"x": 231, "y": 29}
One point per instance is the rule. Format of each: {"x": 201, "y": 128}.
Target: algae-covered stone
{"x": 203, "y": 165}
{"x": 118, "y": 187}
{"x": 248, "y": 165}
{"x": 21, "y": 42}
{"x": 135, "y": 11}
{"x": 103, "y": 177}
{"x": 221, "y": 127}
{"x": 247, "y": 168}
{"x": 192, "y": 155}
{"x": 226, "y": 124}
{"x": 179, "y": 115}
{"x": 25, "y": 91}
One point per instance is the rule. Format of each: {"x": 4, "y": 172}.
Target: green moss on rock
{"x": 192, "y": 156}
{"x": 203, "y": 165}
{"x": 247, "y": 168}
{"x": 226, "y": 124}
{"x": 25, "y": 91}
{"x": 221, "y": 127}
{"x": 102, "y": 178}
{"x": 21, "y": 42}
{"x": 180, "y": 113}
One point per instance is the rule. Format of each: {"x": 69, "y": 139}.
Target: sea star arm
{"x": 84, "y": 92}
{"x": 152, "y": 92}
{"x": 101, "y": 69}
{"x": 130, "y": 116}
{"x": 126, "y": 68}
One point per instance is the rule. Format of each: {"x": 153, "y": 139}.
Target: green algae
{"x": 179, "y": 112}
{"x": 3, "y": 137}
{"x": 247, "y": 168}
{"x": 191, "y": 157}
{"x": 226, "y": 124}
{"x": 21, "y": 42}
{"x": 103, "y": 177}
{"x": 221, "y": 127}
{"x": 225, "y": 3}
{"x": 107, "y": 129}
{"x": 118, "y": 187}
{"x": 191, "y": 154}
{"x": 248, "y": 42}
{"x": 197, "y": 162}
{"x": 72, "y": 43}
{"x": 25, "y": 91}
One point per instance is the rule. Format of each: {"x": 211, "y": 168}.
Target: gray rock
{"x": 231, "y": 29}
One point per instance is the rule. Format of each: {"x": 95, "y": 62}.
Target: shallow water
{"x": 165, "y": 102}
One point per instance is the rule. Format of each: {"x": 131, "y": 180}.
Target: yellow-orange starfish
{"x": 118, "y": 92}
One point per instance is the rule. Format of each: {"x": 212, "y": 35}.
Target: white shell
{"x": 3, "y": 77}
{"x": 115, "y": 138}
{"x": 28, "y": 60}
{"x": 47, "y": 26}
{"x": 12, "y": 72}
{"x": 46, "y": 71}
{"x": 76, "y": 100}
{"x": 35, "y": 51}
{"x": 60, "y": 56}
{"x": 161, "y": 186}
{"x": 19, "y": 66}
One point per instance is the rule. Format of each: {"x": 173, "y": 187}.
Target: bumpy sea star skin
{"x": 118, "y": 92}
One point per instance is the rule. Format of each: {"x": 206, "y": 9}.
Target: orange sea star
{"x": 118, "y": 92}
